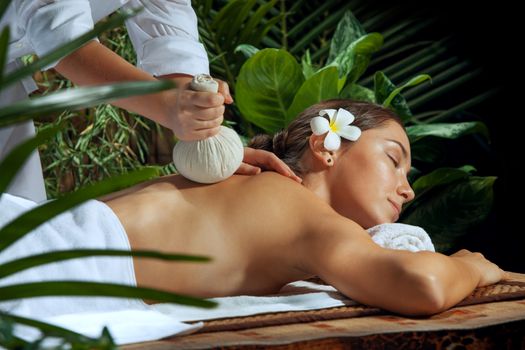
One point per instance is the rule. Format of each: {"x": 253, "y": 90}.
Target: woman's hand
{"x": 489, "y": 272}
{"x": 254, "y": 159}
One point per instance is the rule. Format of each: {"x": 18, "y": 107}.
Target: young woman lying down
{"x": 267, "y": 230}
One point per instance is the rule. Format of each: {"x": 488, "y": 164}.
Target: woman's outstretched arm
{"x": 410, "y": 283}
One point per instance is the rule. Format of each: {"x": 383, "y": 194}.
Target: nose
{"x": 406, "y": 191}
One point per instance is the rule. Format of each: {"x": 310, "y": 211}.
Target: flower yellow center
{"x": 333, "y": 127}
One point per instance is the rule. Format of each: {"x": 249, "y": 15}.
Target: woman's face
{"x": 368, "y": 179}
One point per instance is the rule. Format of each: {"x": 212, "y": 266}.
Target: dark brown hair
{"x": 290, "y": 143}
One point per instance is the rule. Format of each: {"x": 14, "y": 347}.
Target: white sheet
{"x": 295, "y": 296}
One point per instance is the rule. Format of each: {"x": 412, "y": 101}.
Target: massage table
{"x": 492, "y": 317}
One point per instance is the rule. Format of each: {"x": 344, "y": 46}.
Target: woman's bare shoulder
{"x": 284, "y": 188}
{"x": 278, "y": 181}
{"x": 289, "y": 197}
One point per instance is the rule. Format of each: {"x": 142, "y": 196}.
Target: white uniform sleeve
{"x": 165, "y": 37}
{"x": 50, "y": 24}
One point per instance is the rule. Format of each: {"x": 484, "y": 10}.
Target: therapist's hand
{"x": 194, "y": 115}
{"x": 255, "y": 159}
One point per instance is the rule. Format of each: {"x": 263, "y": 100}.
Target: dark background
{"x": 490, "y": 35}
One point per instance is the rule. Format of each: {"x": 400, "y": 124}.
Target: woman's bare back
{"x": 248, "y": 225}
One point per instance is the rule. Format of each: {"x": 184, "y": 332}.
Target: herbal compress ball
{"x": 213, "y": 159}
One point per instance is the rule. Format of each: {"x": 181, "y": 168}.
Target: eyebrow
{"x": 405, "y": 154}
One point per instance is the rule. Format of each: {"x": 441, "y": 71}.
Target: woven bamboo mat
{"x": 504, "y": 290}
{"x": 492, "y": 317}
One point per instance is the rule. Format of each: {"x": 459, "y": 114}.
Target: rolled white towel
{"x": 401, "y": 236}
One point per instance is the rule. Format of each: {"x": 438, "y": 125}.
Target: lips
{"x": 397, "y": 207}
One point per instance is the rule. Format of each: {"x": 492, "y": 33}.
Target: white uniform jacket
{"x": 164, "y": 36}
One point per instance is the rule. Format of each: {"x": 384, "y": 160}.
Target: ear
{"x": 319, "y": 152}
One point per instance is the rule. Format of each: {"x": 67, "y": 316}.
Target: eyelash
{"x": 394, "y": 161}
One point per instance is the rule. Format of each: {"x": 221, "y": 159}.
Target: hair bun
{"x": 275, "y": 143}
{"x": 261, "y": 141}
{"x": 279, "y": 143}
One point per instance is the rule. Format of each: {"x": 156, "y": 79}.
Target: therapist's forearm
{"x": 95, "y": 64}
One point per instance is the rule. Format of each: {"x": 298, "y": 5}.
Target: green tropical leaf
{"x": 78, "y": 98}
{"x": 241, "y": 12}
{"x": 308, "y": 67}
{"x": 317, "y": 24}
{"x": 438, "y": 177}
{"x": 68, "y": 48}
{"x": 247, "y": 50}
{"x": 357, "y": 92}
{"x": 383, "y": 87}
{"x": 321, "y": 86}
{"x": 417, "y": 133}
{"x": 442, "y": 176}
{"x": 354, "y": 61}
{"x": 256, "y": 19}
{"x": 266, "y": 87}
{"x": 449, "y": 211}
{"x": 348, "y": 30}
{"x": 412, "y": 82}
{"x": 33, "y": 218}
{"x": 27, "y": 262}
{"x": 430, "y": 150}
{"x": 76, "y": 288}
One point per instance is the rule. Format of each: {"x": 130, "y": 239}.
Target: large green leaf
{"x": 354, "y": 61}
{"x": 33, "y": 218}
{"x": 438, "y": 177}
{"x": 308, "y": 67}
{"x": 427, "y": 141}
{"x": 383, "y": 87}
{"x": 266, "y": 87}
{"x": 417, "y": 133}
{"x": 448, "y": 212}
{"x": 348, "y": 30}
{"x": 78, "y": 98}
{"x": 76, "y": 288}
{"x": 357, "y": 92}
{"x": 68, "y": 48}
{"x": 27, "y": 262}
{"x": 321, "y": 86}
{"x": 431, "y": 150}
{"x": 412, "y": 82}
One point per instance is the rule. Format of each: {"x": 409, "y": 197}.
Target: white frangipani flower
{"x": 337, "y": 127}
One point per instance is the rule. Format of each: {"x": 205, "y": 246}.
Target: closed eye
{"x": 394, "y": 161}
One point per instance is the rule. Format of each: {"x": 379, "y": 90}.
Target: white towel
{"x": 90, "y": 225}
{"x": 294, "y": 296}
{"x": 125, "y": 326}
{"x": 401, "y": 236}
